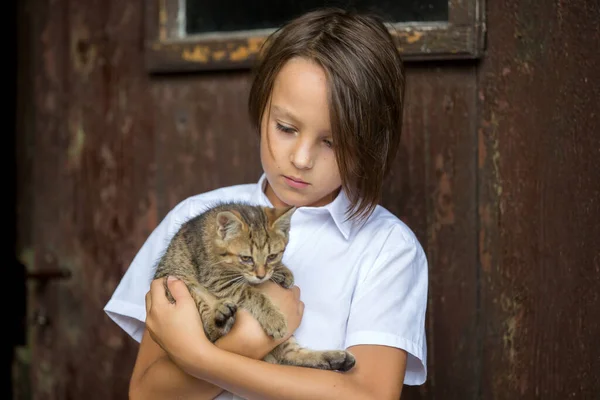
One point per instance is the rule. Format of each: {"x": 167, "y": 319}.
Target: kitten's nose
{"x": 260, "y": 272}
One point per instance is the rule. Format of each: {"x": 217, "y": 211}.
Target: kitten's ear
{"x": 228, "y": 224}
{"x": 280, "y": 218}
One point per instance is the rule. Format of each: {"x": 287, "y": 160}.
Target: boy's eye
{"x": 284, "y": 128}
{"x": 246, "y": 259}
{"x": 271, "y": 257}
{"x": 328, "y": 143}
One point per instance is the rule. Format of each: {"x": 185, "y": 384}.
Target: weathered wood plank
{"x": 93, "y": 162}
{"x": 204, "y": 138}
{"x": 540, "y": 201}
{"x": 433, "y": 189}
{"x": 49, "y": 79}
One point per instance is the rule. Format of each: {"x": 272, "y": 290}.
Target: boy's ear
{"x": 228, "y": 224}
{"x": 280, "y": 218}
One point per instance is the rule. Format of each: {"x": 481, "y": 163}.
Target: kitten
{"x": 221, "y": 255}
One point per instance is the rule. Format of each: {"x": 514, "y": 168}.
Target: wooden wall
{"x": 539, "y": 201}
{"x": 498, "y": 176}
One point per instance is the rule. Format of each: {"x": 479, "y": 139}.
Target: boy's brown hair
{"x": 366, "y": 92}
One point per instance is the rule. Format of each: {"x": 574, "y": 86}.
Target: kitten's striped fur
{"x": 221, "y": 255}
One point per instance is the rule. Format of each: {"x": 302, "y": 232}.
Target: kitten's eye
{"x": 271, "y": 257}
{"x": 246, "y": 259}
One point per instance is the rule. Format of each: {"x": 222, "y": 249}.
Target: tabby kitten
{"x": 221, "y": 255}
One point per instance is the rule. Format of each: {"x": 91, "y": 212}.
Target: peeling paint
{"x": 414, "y": 37}
{"x": 207, "y": 53}
{"x": 83, "y": 51}
{"x": 27, "y": 258}
{"x": 162, "y": 20}
{"x": 485, "y": 255}
{"x": 494, "y": 146}
{"x": 509, "y": 338}
{"x": 244, "y": 52}
{"x": 219, "y": 55}
{"x": 444, "y": 202}
{"x": 514, "y": 309}
{"x": 409, "y": 36}
{"x": 199, "y": 54}
{"x": 76, "y": 144}
{"x": 108, "y": 157}
{"x": 482, "y": 154}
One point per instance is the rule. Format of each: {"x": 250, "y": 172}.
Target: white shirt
{"x": 361, "y": 283}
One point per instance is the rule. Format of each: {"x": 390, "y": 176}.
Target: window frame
{"x": 169, "y": 49}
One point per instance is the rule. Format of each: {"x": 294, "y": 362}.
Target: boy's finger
{"x": 296, "y": 291}
{"x": 157, "y": 292}
{"x": 179, "y": 290}
{"x": 148, "y": 302}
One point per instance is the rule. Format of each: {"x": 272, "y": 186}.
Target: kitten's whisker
{"x": 232, "y": 280}
{"x": 228, "y": 283}
{"x": 241, "y": 282}
{"x": 277, "y": 275}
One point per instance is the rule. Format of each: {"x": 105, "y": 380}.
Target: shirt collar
{"x": 337, "y": 208}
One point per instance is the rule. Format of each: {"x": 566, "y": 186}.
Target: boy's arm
{"x": 177, "y": 327}
{"x": 156, "y": 376}
{"x": 378, "y": 374}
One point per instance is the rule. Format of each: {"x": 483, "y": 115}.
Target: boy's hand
{"x": 174, "y": 326}
{"x": 247, "y": 337}
{"x": 289, "y": 303}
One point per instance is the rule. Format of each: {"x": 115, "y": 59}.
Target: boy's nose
{"x": 301, "y": 157}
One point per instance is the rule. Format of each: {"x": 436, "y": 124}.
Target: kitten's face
{"x": 254, "y": 242}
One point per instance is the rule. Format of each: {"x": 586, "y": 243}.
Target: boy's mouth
{"x": 294, "y": 182}
{"x": 296, "y": 179}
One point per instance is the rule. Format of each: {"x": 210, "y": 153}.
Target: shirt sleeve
{"x": 127, "y": 306}
{"x": 389, "y": 304}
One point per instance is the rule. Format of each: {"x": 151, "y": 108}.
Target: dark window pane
{"x": 234, "y": 15}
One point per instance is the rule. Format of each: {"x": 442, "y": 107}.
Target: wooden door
{"x": 106, "y": 149}
{"x": 497, "y": 176}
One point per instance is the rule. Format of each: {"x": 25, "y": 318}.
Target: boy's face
{"x": 296, "y": 142}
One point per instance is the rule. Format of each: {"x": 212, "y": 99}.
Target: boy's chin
{"x": 289, "y": 199}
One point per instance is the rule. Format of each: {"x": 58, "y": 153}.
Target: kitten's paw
{"x": 284, "y": 277}
{"x": 276, "y": 328}
{"x": 288, "y": 281}
{"x": 339, "y": 360}
{"x": 225, "y": 315}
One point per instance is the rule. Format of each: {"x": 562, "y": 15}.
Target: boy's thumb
{"x": 178, "y": 290}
